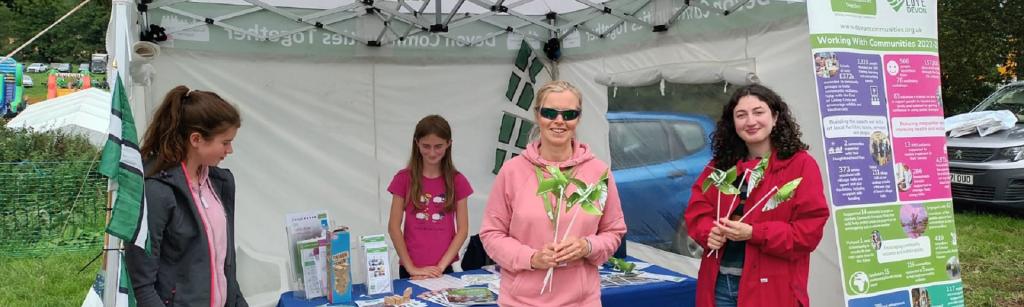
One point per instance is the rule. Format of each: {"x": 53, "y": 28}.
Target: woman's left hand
{"x": 735, "y": 230}
{"x": 571, "y": 249}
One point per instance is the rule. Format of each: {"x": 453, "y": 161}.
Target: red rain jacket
{"x": 778, "y": 253}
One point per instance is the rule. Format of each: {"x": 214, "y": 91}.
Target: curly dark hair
{"x": 785, "y": 137}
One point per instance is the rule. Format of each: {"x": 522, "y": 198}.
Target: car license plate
{"x": 961, "y": 178}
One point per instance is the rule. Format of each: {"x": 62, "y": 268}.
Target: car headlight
{"x": 1013, "y": 154}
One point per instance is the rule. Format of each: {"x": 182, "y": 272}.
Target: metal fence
{"x": 48, "y": 207}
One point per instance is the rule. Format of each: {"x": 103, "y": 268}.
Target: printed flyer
{"x": 378, "y": 266}
{"x": 876, "y": 65}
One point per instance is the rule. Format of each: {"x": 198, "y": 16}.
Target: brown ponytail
{"x": 183, "y": 112}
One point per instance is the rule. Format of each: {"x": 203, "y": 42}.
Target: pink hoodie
{"x": 515, "y": 226}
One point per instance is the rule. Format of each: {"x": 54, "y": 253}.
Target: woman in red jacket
{"x": 763, "y": 259}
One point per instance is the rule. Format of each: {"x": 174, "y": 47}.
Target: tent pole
{"x": 122, "y": 58}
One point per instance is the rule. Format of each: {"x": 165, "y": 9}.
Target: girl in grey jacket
{"x": 190, "y": 203}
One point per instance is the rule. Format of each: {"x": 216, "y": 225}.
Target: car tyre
{"x": 684, "y": 245}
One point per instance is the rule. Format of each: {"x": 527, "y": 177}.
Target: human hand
{"x": 434, "y": 271}
{"x": 418, "y": 272}
{"x": 571, "y": 249}
{"x": 735, "y": 230}
{"x": 544, "y": 258}
{"x": 716, "y": 239}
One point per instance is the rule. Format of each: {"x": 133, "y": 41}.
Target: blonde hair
{"x": 555, "y": 86}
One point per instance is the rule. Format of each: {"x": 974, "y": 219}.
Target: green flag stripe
{"x": 526, "y": 97}
{"x": 524, "y": 134}
{"x": 125, "y": 283}
{"x": 535, "y": 67}
{"x": 523, "y": 57}
{"x": 513, "y": 86}
{"x": 508, "y": 122}
{"x": 499, "y": 159}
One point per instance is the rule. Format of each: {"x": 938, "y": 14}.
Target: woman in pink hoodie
{"x": 516, "y": 231}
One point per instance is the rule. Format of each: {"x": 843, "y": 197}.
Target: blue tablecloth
{"x": 653, "y": 294}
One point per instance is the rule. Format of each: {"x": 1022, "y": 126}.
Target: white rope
{"x": 44, "y": 31}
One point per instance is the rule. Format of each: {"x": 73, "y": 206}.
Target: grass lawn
{"x": 51, "y": 280}
{"x": 37, "y": 93}
{"x": 990, "y": 253}
{"x": 992, "y": 258}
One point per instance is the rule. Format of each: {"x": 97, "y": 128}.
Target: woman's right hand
{"x": 716, "y": 239}
{"x": 544, "y": 258}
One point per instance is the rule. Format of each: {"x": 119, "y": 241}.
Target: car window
{"x": 638, "y": 143}
{"x": 687, "y": 138}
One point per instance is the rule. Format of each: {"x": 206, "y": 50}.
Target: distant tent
{"x": 86, "y": 112}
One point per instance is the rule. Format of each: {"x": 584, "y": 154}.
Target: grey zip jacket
{"x": 178, "y": 271}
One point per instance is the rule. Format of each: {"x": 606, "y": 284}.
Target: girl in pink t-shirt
{"x": 431, "y": 196}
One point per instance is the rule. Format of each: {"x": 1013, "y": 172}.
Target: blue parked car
{"x": 656, "y": 157}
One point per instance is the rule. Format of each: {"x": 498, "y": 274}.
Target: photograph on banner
{"x": 949, "y": 294}
{"x": 897, "y": 245}
{"x": 659, "y": 137}
{"x": 858, "y": 145}
{"x": 922, "y": 166}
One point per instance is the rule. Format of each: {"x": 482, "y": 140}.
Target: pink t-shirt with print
{"x": 428, "y": 231}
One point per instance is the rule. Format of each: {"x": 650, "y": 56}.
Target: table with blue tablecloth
{"x": 663, "y": 293}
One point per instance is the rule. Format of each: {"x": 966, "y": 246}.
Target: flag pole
{"x": 112, "y": 259}
{"x": 112, "y": 249}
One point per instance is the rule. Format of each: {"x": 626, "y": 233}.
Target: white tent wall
{"x": 781, "y": 52}
{"x": 331, "y": 134}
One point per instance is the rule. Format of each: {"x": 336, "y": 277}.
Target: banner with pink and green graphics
{"x": 876, "y": 64}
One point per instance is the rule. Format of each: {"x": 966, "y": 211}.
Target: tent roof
{"x": 526, "y": 7}
{"x": 86, "y": 111}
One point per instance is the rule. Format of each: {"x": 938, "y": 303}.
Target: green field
{"x": 992, "y": 259}
{"x": 37, "y": 93}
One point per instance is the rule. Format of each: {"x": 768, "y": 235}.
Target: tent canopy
{"x": 330, "y": 91}
{"x": 85, "y": 112}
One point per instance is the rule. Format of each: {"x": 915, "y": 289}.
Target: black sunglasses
{"x": 552, "y": 114}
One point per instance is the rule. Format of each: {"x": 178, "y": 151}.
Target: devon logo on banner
{"x": 514, "y": 133}
{"x": 911, "y": 6}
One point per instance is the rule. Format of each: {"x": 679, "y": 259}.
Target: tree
{"x": 975, "y": 37}
{"x": 73, "y": 40}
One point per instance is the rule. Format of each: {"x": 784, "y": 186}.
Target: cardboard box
{"x": 339, "y": 268}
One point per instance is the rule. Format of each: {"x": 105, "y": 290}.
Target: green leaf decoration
{"x": 580, "y": 185}
{"x": 548, "y": 208}
{"x": 715, "y": 178}
{"x": 730, "y": 177}
{"x": 785, "y": 193}
{"x": 729, "y": 190}
{"x": 574, "y": 199}
{"x": 602, "y": 196}
{"x": 594, "y": 193}
{"x": 758, "y": 174}
{"x": 589, "y": 208}
{"x": 621, "y": 265}
{"x": 547, "y": 185}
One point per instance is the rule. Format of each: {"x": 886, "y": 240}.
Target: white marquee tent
{"x": 330, "y": 91}
{"x": 85, "y": 112}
